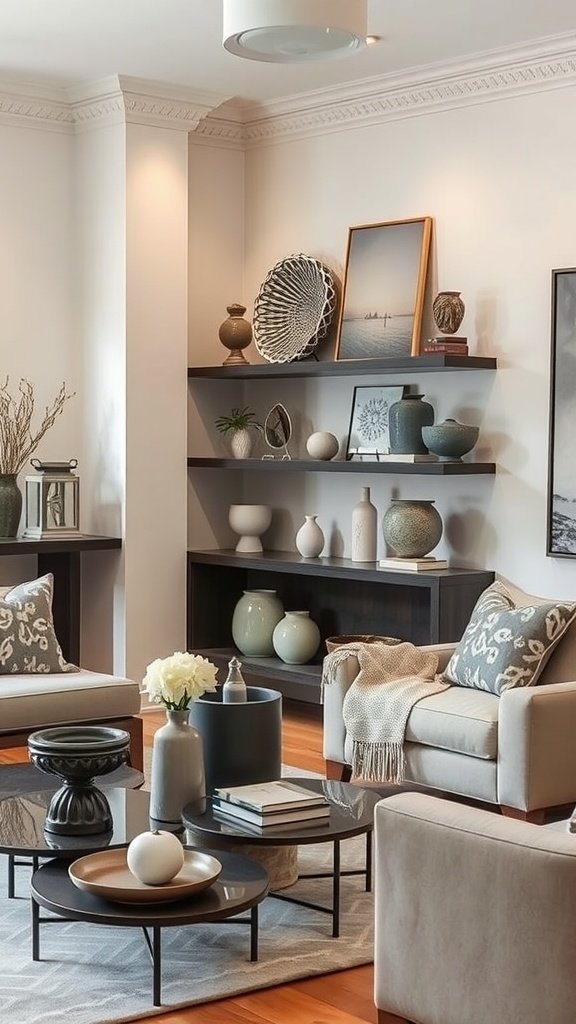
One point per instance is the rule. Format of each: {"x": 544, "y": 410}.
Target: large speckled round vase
{"x": 412, "y": 527}
{"x": 253, "y": 622}
{"x": 405, "y": 421}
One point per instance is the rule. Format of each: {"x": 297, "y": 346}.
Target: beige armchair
{"x": 517, "y": 751}
{"x": 475, "y": 916}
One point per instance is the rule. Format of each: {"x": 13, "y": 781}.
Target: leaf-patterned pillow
{"x": 505, "y": 646}
{"x": 28, "y": 642}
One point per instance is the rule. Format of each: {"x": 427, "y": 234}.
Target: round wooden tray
{"x": 106, "y": 874}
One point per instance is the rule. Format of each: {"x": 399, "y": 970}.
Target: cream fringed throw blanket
{"x": 393, "y": 677}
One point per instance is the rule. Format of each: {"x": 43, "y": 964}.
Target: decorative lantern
{"x": 52, "y": 500}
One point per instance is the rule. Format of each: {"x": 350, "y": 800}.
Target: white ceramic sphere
{"x": 322, "y": 445}
{"x": 155, "y": 857}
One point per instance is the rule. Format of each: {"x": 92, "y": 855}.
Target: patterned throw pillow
{"x": 505, "y": 646}
{"x": 27, "y": 639}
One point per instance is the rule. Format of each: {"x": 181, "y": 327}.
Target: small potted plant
{"x": 239, "y": 424}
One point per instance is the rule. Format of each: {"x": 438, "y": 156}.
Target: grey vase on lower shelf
{"x": 10, "y": 505}
{"x": 412, "y": 527}
{"x": 177, "y": 768}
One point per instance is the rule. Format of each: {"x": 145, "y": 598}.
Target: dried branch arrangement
{"x": 17, "y": 442}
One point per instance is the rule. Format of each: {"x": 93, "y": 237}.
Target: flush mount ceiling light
{"x": 291, "y": 31}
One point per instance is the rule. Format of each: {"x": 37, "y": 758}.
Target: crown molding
{"x": 214, "y": 120}
{"x": 122, "y": 99}
{"x": 548, "y": 64}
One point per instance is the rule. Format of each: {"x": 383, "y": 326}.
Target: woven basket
{"x": 333, "y": 642}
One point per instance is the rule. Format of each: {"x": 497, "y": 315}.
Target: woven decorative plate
{"x": 294, "y": 309}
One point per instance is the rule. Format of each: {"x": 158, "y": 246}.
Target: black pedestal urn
{"x": 77, "y": 754}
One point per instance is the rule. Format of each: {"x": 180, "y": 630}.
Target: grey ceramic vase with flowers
{"x": 412, "y": 527}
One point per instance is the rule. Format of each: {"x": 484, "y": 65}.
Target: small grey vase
{"x": 177, "y": 768}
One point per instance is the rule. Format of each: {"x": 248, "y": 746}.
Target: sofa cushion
{"x": 28, "y": 641}
{"x": 462, "y": 720}
{"x": 561, "y": 665}
{"x": 505, "y": 646}
{"x": 33, "y": 701}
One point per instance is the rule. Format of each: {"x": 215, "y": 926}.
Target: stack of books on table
{"x": 414, "y": 564}
{"x": 448, "y": 344}
{"x": 270, "y": 806}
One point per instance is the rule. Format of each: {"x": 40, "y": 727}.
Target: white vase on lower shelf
{"x": 310, "y": 539}
{"x": 364, "y": 529}
{"x": 177, "y": 768}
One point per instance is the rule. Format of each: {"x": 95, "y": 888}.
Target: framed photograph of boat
{"x": 561, "y": 533}
{"x": 383, "y": 294}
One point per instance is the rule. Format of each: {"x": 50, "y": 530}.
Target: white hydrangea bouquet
{"x": 179, "y": 679}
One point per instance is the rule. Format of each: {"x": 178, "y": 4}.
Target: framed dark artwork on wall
{"x": 369, "y": 434}
{"x": 384, "y": 285}
{"x": 561, "y": 533}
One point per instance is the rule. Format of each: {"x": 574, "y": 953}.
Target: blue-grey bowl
{"x": 450, "y": 440}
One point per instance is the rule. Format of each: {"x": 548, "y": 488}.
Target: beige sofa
{"x": 517, "y": 750}
{"x": 29, "y": 702}
{"x": 475, "y": 916}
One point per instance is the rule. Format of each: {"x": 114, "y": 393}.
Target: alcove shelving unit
{"x": 343, "y": 597}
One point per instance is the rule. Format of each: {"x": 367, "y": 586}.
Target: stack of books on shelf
{"x": 270, "y": 806}
{"x": 414, "y": 564}
{"x": 448, "y": 344}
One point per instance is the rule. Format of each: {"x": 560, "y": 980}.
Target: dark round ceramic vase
{"x": 10, "y": 505}
{"x": 77, "y": 754}
{"x": 405, "y": 421}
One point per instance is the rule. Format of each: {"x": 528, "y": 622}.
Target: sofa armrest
{"x": 334, "y": 736}
{"x": 537, "y": 746}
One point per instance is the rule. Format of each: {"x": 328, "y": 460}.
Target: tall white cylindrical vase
{"x": 364, "y": 529}
{"x": 177, "y": 768}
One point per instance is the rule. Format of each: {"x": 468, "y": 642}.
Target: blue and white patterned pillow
{"x": 28, "y": 641}
{"x": 505, "y": 646}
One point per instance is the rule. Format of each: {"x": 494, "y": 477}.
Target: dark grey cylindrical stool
{"x": 242, "y": 742}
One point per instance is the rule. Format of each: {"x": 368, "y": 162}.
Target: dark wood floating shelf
{"x": 344, "y": 367}
{"x": 56, "y": 545}
{"x": 317, "y": 466}
{"x": 340, "y": 568}
{"x": 299, "y": 682}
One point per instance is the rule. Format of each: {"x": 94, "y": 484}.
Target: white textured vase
{"x": 177, "y": 768}
{"x": 310, "y": 539}
{"x": 296, "y": 638}
{"x": 364, "y": 529}
{"x": 241, "y": 444}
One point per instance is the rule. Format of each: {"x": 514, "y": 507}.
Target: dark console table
{"x": 62, "y": 559}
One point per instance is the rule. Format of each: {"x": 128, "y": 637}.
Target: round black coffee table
{"x": 351, "y": 814}
{"x": 241, "y": 886}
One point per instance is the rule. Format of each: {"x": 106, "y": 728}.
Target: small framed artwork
{"x": 561, "y": 539}
{"x": 369, "y": 436}
{"x": 384, "y": 285}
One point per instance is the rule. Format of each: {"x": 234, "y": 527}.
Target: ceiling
{"x": 66, "y": 42}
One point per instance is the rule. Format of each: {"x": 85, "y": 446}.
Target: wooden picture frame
{"x": 384, "y": 286}
{"x": 561, "y": 524}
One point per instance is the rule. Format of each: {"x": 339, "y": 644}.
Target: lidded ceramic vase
{"x": 310, "y": 539}
{"x": 255, "y": 616}
{"x": 235, "y": 333}
{"x": 448, "y": 311}
{"x": 450, "y": 440}
{"x": 405, "y": 421}
{"x": 296, "y": 638}
{"x": 412, "y": 527}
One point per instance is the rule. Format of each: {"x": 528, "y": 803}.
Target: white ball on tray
{"x": 155, "y": 857}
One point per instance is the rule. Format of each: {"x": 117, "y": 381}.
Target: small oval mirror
{"x": 277, "y": 427}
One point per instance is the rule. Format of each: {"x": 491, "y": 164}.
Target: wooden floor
{"x": 344, "y": 997}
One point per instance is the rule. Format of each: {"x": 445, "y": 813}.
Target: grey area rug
{"x": 90, "y": 974}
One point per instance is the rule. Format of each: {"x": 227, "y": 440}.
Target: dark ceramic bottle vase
{"x": 405, "y": 421}
{"x": 10, "y": 505}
